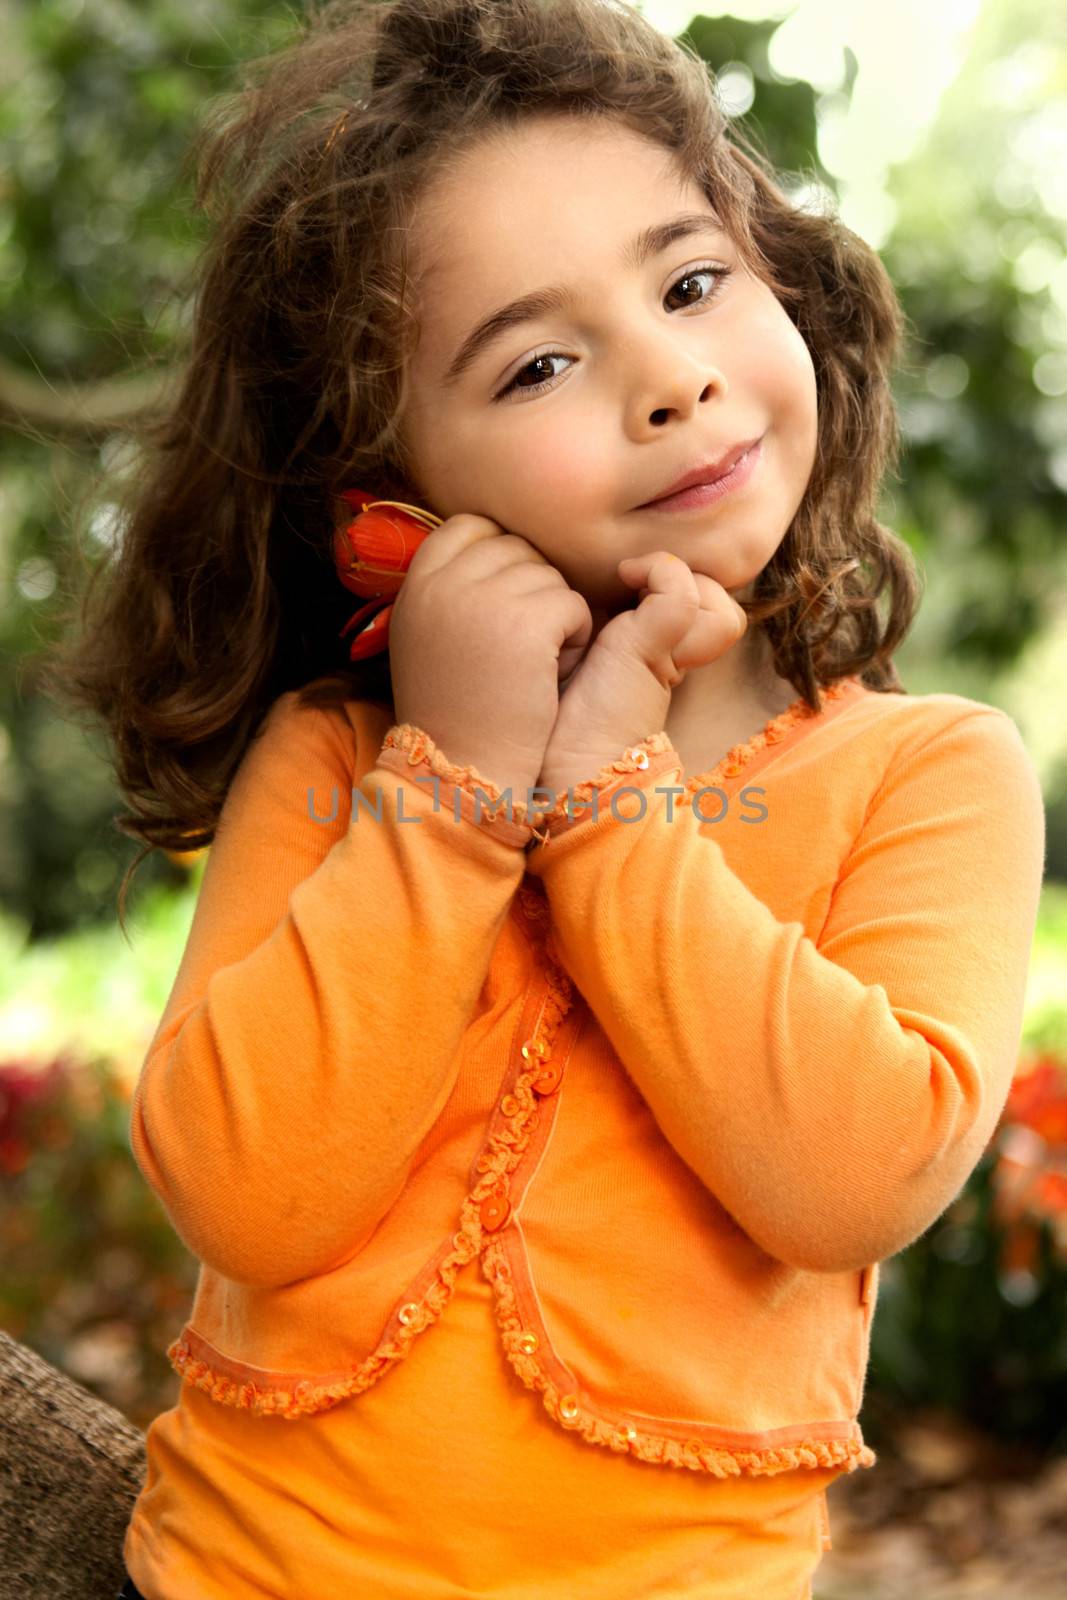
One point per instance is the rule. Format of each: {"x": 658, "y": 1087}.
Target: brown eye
{"x": 718, "y": 273}
{"x": 538, "y": 361}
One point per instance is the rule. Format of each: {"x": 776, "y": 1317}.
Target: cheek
{"x": 555, "y": 469}
{"x": 785, "y": 371}
{"x": 797, "y": 377}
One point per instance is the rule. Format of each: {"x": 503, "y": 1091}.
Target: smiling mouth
{"x": 705, "y": 494}
{"x": 709, "y": 473}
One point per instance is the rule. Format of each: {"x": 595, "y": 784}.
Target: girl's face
{"x": 562, "y": 425}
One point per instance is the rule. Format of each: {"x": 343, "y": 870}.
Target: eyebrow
{"x": 648, "y": 243}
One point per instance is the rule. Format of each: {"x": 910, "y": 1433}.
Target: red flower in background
{"x": 23, "y": 1088}
{"x": 1030, "y": 1175}
{"x": 1038, "y": 1098}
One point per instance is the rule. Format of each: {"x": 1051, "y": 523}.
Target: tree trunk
{"x": 71, "y": 1467}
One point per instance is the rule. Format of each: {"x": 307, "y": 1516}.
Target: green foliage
{"x": 974, "y": 254}
{"x": 959, "y": 1329}
{"x": 90, "y": 992}
{"x": 98, "y": 239}
{"x": 783, "y": 117}
{"x": 95, "y": 1277}
{"x": 970, "y": 1317}
{"x": 1046, "y": 994}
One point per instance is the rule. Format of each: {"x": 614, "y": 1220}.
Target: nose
{"x": 669, "y": 379}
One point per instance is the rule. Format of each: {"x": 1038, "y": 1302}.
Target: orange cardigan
{"x": 678, "y": 1079}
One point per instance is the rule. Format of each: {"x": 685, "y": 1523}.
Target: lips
{"x": 706, "y": 471}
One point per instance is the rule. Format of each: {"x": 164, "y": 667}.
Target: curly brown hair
{"x": 221, "y": 593}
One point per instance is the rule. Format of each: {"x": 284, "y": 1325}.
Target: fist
{"x": 621, "y": 691}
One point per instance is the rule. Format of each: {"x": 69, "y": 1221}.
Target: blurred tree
{"x": 97, "y": 239}
{"x": 979, "y": 253}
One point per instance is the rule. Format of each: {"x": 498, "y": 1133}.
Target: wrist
{"x": 600, "y": 768}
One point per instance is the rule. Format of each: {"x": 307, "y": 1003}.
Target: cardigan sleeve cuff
{"x": 585, "y": 802}
{"x": 466, "y": 792}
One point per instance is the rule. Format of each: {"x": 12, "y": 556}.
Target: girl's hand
{"x": 483, "y": 629}
{"x": 622, "y": 690}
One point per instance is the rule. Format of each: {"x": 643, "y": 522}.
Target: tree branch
{"x": 87, "y": 410}
{"x": 71, "y": 1467}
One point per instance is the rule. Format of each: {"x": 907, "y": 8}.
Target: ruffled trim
{"x": 267, "y": 1395}
{"x": 263, "y": 1393}
{"x": 414, "y": 748}
{"x": 622, "y": 1437}
{"x": 652, "y": 757}
{"x": 773, "y": 732}
{"x": 656, "y": 755}
{"x": 418, "y": 746}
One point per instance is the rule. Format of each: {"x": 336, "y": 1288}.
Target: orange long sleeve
{"x": 529, "y": 1194}
{"x": 833, "y": 1093}
{"x": 310, "y": 1039}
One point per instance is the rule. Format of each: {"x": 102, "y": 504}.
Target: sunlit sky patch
{"x": 908, "y": 51}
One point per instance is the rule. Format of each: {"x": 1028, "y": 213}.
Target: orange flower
{"x": 1019, "y": 1249}
{"x": 1050, "y": 1191}
{"x": 14, "y": 1154}
{"x": 1038, "y": 1098}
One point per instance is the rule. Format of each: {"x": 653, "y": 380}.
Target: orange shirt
{"x": 654, "y": 1100}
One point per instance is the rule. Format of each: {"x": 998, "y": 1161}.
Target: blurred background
{"x": 940, "y": 135}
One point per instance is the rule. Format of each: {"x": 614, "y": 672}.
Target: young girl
{"x": 539, "y": 1159}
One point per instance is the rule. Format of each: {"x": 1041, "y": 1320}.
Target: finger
{"x": 575, "y": 621}
{"x": 669, "y": 598}
{"x": 467, "y": 531}
{"x": 717, "y": 627}
{"x": 666, "y": 621}
{"x": 568, "y": 608}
